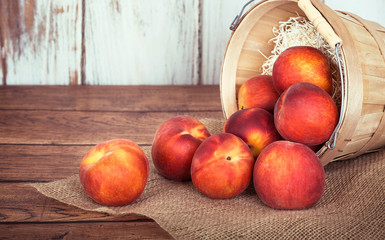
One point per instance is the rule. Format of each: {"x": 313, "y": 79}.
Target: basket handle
{"x": 324, "y": 28}
{"x": 320, "y": 23}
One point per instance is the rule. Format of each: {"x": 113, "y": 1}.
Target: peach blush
{"x": 174, "y": 145}
{"x": 114, "y": 173}
{"x": 259, "y": 92}
{"x": 222, "y": 166}
{"x": 305, "y": 113}
{"x": 255, "y": 126}
{"x": 288, "y": 175}
{"x": 302, "y": 64}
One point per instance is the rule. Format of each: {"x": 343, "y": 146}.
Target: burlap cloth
{"x": 352, "y": 207}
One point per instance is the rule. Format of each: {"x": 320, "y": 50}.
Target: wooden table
{"x": 46, "y": 130}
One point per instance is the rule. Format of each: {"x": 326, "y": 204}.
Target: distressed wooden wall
{"x": 41, "y": 41}
{"x": 122, "y": 42}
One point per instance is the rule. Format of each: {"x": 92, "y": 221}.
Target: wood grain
{"x": 40, "y": 163}
{"x": 45, "y": 132}
{"x": 111, "y": 98}
{"x": 142, "y": 42}
{"x": 22, "y": 203}
{"x": 92, "y": 230}
{"x": 83, "y": 127}
{"x": 124, "y": 42}
{"x": 217, "y": 16}
{"x": 41, "y": 41}
{"x": 89, "y": 115}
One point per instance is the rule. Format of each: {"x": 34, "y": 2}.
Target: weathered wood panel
{"x": 142, "y": 42}
{"x": 117, "y": 42}
{"x": 41, "y": 41}
{"x": 217, "y": 16}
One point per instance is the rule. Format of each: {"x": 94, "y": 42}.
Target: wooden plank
{"x": 373, "y": 63}
{"x": 142, "y": 42}
{"x": 40, "y": 162}
{"x": 374, "y": 89}
{"x": 217, "y": 16}
{"x": 23, "y": 203}
{"x": 368, "y": 124}
{"x": 112, "y": 98}
{"x": 99, "y": 230}
{"x": 41, "y": 41}
{"x": 371, "y": 108}
{"x": 23, "y": 211}
{"x": 380, "y": 143}
{"x": 84, "y": 127}
{"x": 354, "y": 145}
{"x": 69, "y": 129}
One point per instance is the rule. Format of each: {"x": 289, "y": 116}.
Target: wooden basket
{"x": 362, "y": 118}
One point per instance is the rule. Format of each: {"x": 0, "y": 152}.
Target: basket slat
{"x": 368, "y": 124}
{"x": 372, "y": 108}
{"x": 374, "y": 84}
{"x": 371, "y": 86}
{"x": 380, "y": 142}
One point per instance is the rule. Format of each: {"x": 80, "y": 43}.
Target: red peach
{"x": 302, "y": 64}
{"x": 306, "y": 114}
{"x": 114, "y": 173}
{"x": 222, "y": 166}
{"x": 174, "y": 145}
{"x": 259, "y": 92}
{"x": 288, "y": 175}
{"x": 255, "y": 126}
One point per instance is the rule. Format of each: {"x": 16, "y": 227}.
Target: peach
{"x": 222, "y": 166}
{"x": 114, "y": 173}
{"x": 174, "y": 145}
{"x": 255, "y": 126}
{"x": 259, "y": 92}
{"x": 302, "y": 64}
{"x": 288, "y": 175}
{"x": 306, "y": 114}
